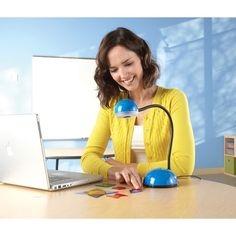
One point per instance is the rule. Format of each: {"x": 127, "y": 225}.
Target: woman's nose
{"x": 123, "y": 73}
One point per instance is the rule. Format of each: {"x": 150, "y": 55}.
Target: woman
{"x": 125, "y": 69}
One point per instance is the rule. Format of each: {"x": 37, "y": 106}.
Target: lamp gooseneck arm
{"x": 171, "y": 124}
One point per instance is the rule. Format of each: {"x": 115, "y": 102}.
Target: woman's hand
{"x": 114, "y": 162}
{"x": 124, "y": 173}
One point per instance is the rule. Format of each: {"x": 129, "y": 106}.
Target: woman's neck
{"x": 143, "y": 97}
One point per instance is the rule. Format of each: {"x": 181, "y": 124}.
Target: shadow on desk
{"x": 220, "y": 178}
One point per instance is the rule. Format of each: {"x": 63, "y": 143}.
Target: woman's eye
{"x": 113, "y": 71}
{"x": 128, "y": 64}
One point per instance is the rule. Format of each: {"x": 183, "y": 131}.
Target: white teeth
{"x": 128, "y": 81}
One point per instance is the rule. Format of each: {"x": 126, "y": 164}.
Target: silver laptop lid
{"x": 22, "y": 158}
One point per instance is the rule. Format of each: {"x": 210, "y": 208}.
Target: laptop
{"x": 22, "y": 157}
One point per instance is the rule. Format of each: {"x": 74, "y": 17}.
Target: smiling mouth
{"x": 128, "y": 81}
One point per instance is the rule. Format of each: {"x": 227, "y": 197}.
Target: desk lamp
{"x": 162, "y": 178}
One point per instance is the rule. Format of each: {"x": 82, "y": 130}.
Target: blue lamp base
{"x": 160, "y": 178}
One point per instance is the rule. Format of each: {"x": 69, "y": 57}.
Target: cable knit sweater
{"x": 156, "y": 128}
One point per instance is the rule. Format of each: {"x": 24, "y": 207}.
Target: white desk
{"x": 193, "y": 198}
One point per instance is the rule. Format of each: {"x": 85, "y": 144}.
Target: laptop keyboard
{"x": 59, "y": 178}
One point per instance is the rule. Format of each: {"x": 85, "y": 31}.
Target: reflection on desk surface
{"x": 193, "y": 198}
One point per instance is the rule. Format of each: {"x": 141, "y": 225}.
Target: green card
{"x": 104, "y": 184}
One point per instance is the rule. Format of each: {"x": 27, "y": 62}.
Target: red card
{"x": 119, "y": 187}
{"x": 117, "y": 195}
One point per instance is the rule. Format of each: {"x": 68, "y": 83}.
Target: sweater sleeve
{"x": 183, "y": 149}
{"x": 91, "y": 160}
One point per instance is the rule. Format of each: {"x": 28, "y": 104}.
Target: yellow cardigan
{"x": 156, "y": 128}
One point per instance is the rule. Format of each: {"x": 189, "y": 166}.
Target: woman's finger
{"x": 118, "y": 176}
{"x": 126, "y": 175}
{"x": 135, "y": 182}
{"x": 137, "y": 177}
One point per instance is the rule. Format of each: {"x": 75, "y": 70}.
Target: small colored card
{"x": 105, "y": 185}
{"x": 96, "y": 193}
{"x": 119, "y": 187}
{"x": 117, "y": 195}
{"x": 111, "y": 192}
{"x": 135, "y": 190}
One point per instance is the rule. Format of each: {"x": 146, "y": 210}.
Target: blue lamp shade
{"x": 126, "y": 108}
{"x": 160, "y": 178}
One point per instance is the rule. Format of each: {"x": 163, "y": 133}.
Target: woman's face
{"x": 125, "y": 68}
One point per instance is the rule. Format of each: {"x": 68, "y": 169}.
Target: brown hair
{"x": 107, "y": 87}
